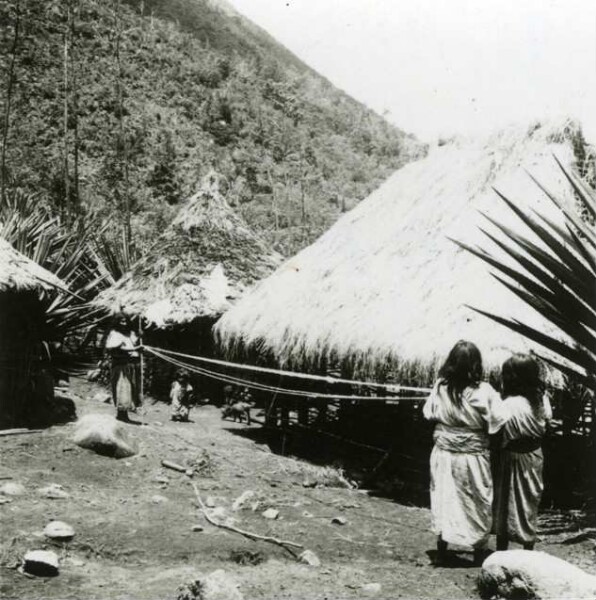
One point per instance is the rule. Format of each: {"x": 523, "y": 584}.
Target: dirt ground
{"x": 134, "y": 536}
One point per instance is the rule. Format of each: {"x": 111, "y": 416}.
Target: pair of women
{"x": 467, "y": 411}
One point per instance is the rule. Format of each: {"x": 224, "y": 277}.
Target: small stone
{"x": 309, "y": 483}
{"x": 54, "y": 491}
{"x": 371, "y": 589}
{"x": 157, "y": 499}
{"x": 189, "y": 472}
{"x": 198, "y": 528}
{"x": 240, "y": 502}
{"x": 271, "y": 513}
{"x": 58, "y": 530}
{"x": 210, "y": 502}
{"x": 308, "y": 557}
{"x": 4, "y": 500}
{"x": 43, "y": 563}
{"x": 339, "y": 520}
{"x": 255, "y": 506}
{"x": 76, "y": 562}
{"x": 12, "y": 488}
{"x": 306, "y": 514}
{"x": 162, "y": 479}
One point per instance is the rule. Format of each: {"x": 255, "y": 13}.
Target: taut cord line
{"x": 326, "y": 379}
{"x": 267, "y": 388}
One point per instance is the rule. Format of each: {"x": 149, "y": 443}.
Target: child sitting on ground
{"x": 181, "y": 395}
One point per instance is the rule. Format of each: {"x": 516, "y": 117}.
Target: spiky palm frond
{"x": 66, "y": 252}
{"x": 555, "y": 275}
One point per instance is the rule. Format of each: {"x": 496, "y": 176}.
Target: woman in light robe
{"x": 522, "y": 417}
{"x": 123, "y": 347}
{"x": 461, "y": 492}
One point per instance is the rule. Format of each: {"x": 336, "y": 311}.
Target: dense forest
{"x": 114, "y": 110}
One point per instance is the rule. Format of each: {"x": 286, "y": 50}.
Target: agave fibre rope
{"x": 297, "y": 375}
{"x": 268, "y": 388}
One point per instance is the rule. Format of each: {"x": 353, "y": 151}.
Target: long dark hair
{"x": 521, "y": 376}
{"x": 463, "y": 368}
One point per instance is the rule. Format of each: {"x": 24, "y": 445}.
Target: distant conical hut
{"x": 386, "y": 287}
{"x": 203, "y": 262}
{"x": 26, "y": 384}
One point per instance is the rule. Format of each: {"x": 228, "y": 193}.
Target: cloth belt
{"x": 459, "y": 439}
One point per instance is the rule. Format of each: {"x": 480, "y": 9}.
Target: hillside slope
{"x": 119, "y": 108}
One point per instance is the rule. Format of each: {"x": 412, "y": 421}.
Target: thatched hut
{"x": 386, "y": 293}
{"x": 204, "y": 261}
{"x": 26, "y": 386}
{"x": 387, "y": 286}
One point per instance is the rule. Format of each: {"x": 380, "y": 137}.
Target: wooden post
{"x": 303, "y": 411}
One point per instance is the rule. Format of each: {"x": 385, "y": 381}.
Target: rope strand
{"x": 327, "y": 379}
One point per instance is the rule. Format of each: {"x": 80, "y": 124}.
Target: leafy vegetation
{"x": 116, "y": 109}
{"x": 556, "y": 276}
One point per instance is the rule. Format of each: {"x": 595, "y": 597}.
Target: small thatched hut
{"x": 205, "y": 260}
{"x": 26, "y": 385}
{"x": 386, "y": 286}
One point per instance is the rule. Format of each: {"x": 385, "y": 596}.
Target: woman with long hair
{"x": 522, "y": 417}
{"x": 461, "y": 491}
{"x": 123, "y": 347}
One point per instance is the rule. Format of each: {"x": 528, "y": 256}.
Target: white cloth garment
{"x": 461, "y": 491}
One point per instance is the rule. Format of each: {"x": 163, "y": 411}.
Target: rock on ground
{"x": 54, "y": 491}
{"x": 271, "y": 513}
{"x": 215, "y": 586}
{"x": 105, "y": 435}
{"x": 43, "y": 563}
{"x": 308, "y": 557}
{"x": 12, "y": 488}
{"x": 524, "y": 574}
{"x": 58, "y": 530}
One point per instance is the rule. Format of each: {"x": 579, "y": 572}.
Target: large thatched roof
{"x": 204, "y": 260}
{"x": 19, "y": 273}
{"x": 385, "y": 284}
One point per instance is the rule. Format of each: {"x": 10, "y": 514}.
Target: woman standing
{"x": 523, "y": 416}
{"x": 461, "y": 491}
{"x": 123, "y": 347}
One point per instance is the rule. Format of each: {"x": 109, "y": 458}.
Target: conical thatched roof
{"x": 17, "y": 272}
{"x": 385, "y": 284}
{"x": 204, "y": 260}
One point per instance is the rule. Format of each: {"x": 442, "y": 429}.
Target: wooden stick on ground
{"x": 18, "y": 431}
{"x": 286, "y": 545}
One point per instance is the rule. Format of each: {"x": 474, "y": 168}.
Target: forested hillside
{"x": 116, "y": 109}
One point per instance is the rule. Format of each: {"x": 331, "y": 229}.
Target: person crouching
{"x": 181, "y": 395}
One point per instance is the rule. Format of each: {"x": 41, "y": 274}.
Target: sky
{"x": 438, "y": 68}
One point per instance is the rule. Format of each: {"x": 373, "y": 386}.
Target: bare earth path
{"x": 130, "y": 544}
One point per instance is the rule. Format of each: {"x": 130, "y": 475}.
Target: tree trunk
{"x": 9, "y": 87}
{"x": 122, "y": 146}
{"x": 75, "y": 102}
{"x": 65, "y": 204}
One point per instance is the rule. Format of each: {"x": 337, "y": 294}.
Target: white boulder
{"x": 105, "y": 435}
{"x": 524, "y": 574}
{"x": 43, "y": 563}
{"x": 58, "y": 530}
{"x": 218, "y": 585}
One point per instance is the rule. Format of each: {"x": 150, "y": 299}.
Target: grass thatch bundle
{"x": 204, "y": 260}
{"x": 19, "y": 273}
{"x": 387, "y": 286}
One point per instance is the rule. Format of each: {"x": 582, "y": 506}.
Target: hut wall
{"x": 26, "y": 384}
{"x": 194, "y": 339}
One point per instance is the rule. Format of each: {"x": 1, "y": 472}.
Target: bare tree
{"x": 9, "y": 90}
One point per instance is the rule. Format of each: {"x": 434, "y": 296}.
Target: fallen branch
{"x": 174, "y": 466}
{"x": 286, "y": 545}
{"x": 18, "y": 431}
